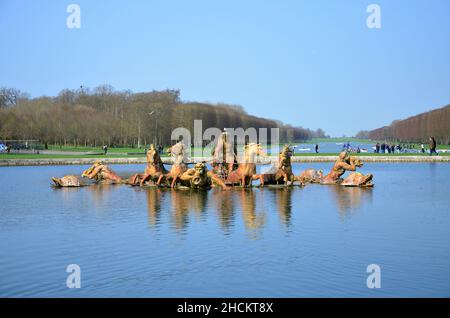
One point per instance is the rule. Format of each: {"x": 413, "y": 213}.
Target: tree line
{"x": 418, "y": 128}
{"x": 99, "y": 116}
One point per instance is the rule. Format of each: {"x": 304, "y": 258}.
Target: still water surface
{"x": 311, "y": 241}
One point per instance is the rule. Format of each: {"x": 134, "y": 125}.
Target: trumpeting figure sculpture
{"x": 200, "y": 178}
{"x": 343, "y": 163}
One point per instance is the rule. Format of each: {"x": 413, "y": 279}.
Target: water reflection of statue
{"x": 154, "y": 197}
{"x": 224, "y": 203}
{"x": 350, "y": 199}
{"x": 252, "y": 220}
{"x": 224, "y": 155}
{"x": 185, "y": 201}
{"x": 284, "y": 205}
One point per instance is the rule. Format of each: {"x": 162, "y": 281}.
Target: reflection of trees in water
{"x": 350, "y": 199}
{"x": 224, "y": 204}
{"x": 100, "y": 192}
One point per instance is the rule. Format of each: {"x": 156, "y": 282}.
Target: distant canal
{"x": 311, "y": 241}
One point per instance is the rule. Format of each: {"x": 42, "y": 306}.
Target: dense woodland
{"x": 418, "y": 128}
{"x": 103, "y": 115}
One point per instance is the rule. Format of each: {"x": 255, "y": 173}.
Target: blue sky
{"x": 308, "y": 63}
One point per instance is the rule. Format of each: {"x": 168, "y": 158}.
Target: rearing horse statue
{"x": 281, "y": 172}
{"x": 178, "y": 153}
{"x": 153, "y": 170}
{"x": 246, "y": 171}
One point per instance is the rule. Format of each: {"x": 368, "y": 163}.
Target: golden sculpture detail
{"x": 246, "y": 171}
{"x": 199, "y": 177}
{"x": 281, "y": 173}
{"x": 343, "y": 163}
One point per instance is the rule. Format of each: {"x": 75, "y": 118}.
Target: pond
{"x": 270, "y": 242}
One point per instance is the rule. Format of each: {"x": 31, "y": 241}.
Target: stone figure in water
{"x": 310, "y": 176}
{"x": 102, "y": 173}
{"x": 178, "y": 152}
{"x": 68, "y": 181}
{"x": 347, "y": 163}
{"x": 200, "y": 178}
{"x": 224, "y": 156}
{"x": 281, "y": 172}
{"x": 98, "y": 172}
{"x": 153, "y": 170}
{"x": 343, "y": 163}
{"x": 246, "y": 171}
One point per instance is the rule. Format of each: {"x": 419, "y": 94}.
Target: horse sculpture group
{"x": 226, "y": 172}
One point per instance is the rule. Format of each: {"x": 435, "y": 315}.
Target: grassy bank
{"x": 63, "y": 156}
{"x": 95, "y": 149}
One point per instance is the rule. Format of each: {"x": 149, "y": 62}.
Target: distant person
{"x": 422, "y": 148}
{"x": 432, "y": 144}
{"x": 317, "y": 148}
{"x": 105, "y": 149}
{"x": 383, "y": 147}
{"x": 377, "y": 148}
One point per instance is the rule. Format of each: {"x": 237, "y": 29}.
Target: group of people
{"x": 400, "y": 148}
{"x": 5, "y": 148}
{"x": 387, "y": 148}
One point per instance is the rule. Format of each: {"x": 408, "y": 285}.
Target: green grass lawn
{"x": 62, "y": 156}
{"x": 95, "y": 149}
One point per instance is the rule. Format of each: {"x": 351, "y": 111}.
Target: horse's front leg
{"x": 159, "y": 179}
{"x": 145, "y": 179}
{"x": 259, "y": 177}
{"x": 285, "y": 178}
{"x": 174, "y": 181}
{"x": 250, "y": 181}
{"x": 243, "y": 182}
